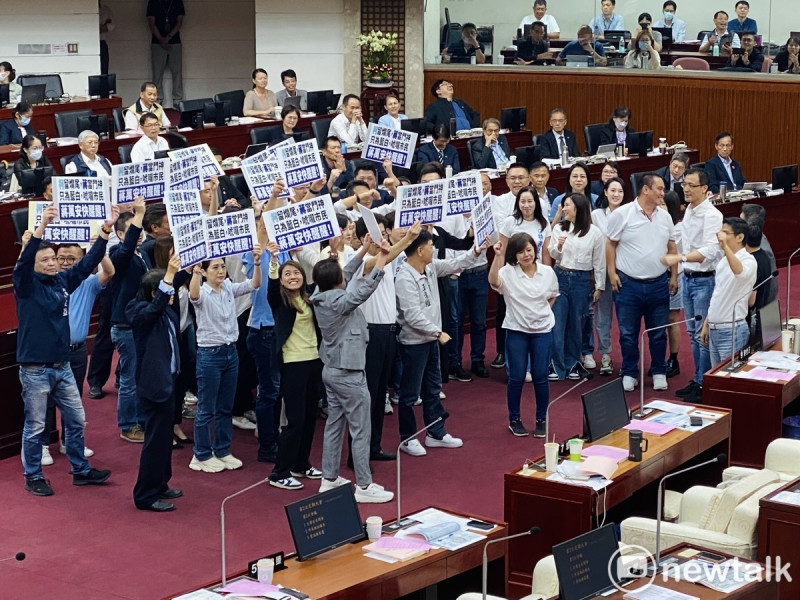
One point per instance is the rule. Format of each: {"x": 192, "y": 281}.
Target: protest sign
{"x": 190, "y": 241}
{"x": 230, "y": 233}
{"x": 208, "y": 164}
{"x": 371, "y": 223}
{"x": 463, "y": 193}
{"x": 184, "y": 174}
{"x": 82, "y": 198}
{"x": 424, "y": 202}
{"x": 396, "y": 144}
{"x": 60, "y": 232}
{"x": 483, "y": 223}
{"x": 299, "y": 163}
{"x": 302, "y": 223}
{"x": 182, "y": 206}
{"x": 146, "y": 179}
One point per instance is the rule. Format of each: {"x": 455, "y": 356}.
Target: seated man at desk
{"x": 585, "y": 46}
{"x": 439, "y": 150}
{"x": 289, "y": 81}
{"x": 145, "y": 104}
{"x": 348, "y": 126}
{"x": 742, "y": 22}
{"x": 671, "y": 21}
{"x": 557, "y": 137}
{"x": 540, "y": 15}
{"x": 149, "y": 143}
{"x": 607, "y": 20}
{"x": 446, "y": 107}
{"x": 720, "y": 35}
{"x": 491, "y": 151}
{"x": 468, "y": 47}
{"x": 88, "y": 163}
{"x": 534, "y": 48}
{"x": 722, "y": 168}
{"x": 746, "y": 58}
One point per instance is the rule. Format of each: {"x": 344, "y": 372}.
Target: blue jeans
{"x": 587, "y": 342}
{"x": 574, "y": 289}
{"x": 421, "y": 379}
{"x": 696, "y": 298}
{"x": 523, "y": 349}
{"x": 720, "y": 341}
{"x": 217, "y": 372}
{"x": 128, "y": 413}
{"x": 637, "y": 299}
{"x": 603, "y": 314}
{"x": 260, "y": 343}
{"x": 473, "y": 295}
{"x": 58, "y": 383}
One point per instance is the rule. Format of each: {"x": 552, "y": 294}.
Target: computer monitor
{"x": 102, "y": 86}
{"x": 218, "y": 113}
{"x": 583, "y": 564}
{"x": 31, "y": 180}
{"x": 769, "y": 318}
{"x": 527, "y": 155}
{"x": 784, "y": 178}
{"x": 33, "y": 94}
{"x": 605, "y": 410}
{"x": 190, "y": 118}
{"x": 418, "y": 125}
{"x": 254, "y": 149}
{"x": 579, "y": 60}
{"x": 292, "y": 101}
{"x": 513, "y": 118}
{"x": 5, "y": 95}
{"x": 666, "y": 35}
{"x": 460, "y": 60}
{"x": 613, "y": 35}
{"x": 336, "y": 521}
{"x": 319, "y": 101}
{"x": 96, "y": 123}
{"x": 639, "y": 143}
{"x": 333, "y": 100}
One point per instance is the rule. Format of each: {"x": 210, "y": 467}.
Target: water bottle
{"x": 662, "y": 145}
{"x": 448, "y": 171}
{"x": 622, "y": 45}
{"x": 723, "y": 191}
{"x": 564, "y": 156}
{"x": 715, "y": 50}
{"x": 344, "y": 148}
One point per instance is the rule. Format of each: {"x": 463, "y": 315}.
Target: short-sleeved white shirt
{"x": 642, "y": 240}
{"x": 527, "y": 306}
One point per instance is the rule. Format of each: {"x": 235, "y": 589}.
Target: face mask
{"x": 3, "y": 75}
{"x": 24, "y": 121}
{"x": 621, "y": 125}
{"x": 642, "y": 45}
{"x": 36, "y": 154}
{"x": 668, "y": 16}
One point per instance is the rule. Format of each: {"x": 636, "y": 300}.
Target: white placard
{"x": 184, "y": 174}
{"x": 75, "y": 232}
{"x": 231, "y": 233}
{"x": 302, "y": 223}
{"x": 396, "y": 144}
{"x": 300, "y": 163}
{"x": 208, "y": 163}
{"x": 463, "y": 193}
{"x": 82, "y": 198}
{"x": 424, "y": 202}
{"x": 261, "y": 178}
{"x": 182, "y": 206}
{"x": 483, "y": 222}
{"x": 371, "y": 223}
{"x": 190, "y": 241}
{"x": 146, "y": 179}
{"x": 268, "y": 152}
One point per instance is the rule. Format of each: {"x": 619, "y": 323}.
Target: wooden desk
{"x": 714, "y": 62}
{"x": 565, "y": 511}
{"x": 11, "y": 406}
{"x": 778, "y": 532}
{"x": 345, "y": 573}
{"x": 757, "y": 407}
{"x": 44, "y": 114}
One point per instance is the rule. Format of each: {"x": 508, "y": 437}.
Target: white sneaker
{"x": 659, "y": 382}
{"x": 189, "y": 398}
{"x": 528, "y": 378}
{"x": 250, "y": 415}
{"x": 326, "y": 484}
{"x": 87, "y": 452}
{"x": 290, "y": 483}
{"x": 212, "y": 465}
{"x": 414, "y": 448}
{"x": 628, "y": 383}
{"x": 373, "y": 493}
{"x": 418, "y": 402}
{"x": 230, "y": 462}
{"x": 441, "y": 397}
{"x": 47, "y": 459}
{"x": 387, "y": 407}
{"x": 448, "y": 441}
{"x": 588, "y": 362}
{"x": 243, "y": 423}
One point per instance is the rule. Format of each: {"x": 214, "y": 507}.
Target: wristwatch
{"x": 683, "y": 258}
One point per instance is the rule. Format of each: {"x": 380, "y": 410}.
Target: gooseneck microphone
{"x": 734, "y": 366}
{"x": 18, "y": 556}
{"x": 789, "y": 284}
{"x": 532, "y": 531}
{"x": 222, "y": 521}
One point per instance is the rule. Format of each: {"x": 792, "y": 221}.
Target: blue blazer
{"x": 10, "y": 134}
{"x": 549, "y": 144}
{"x": 428, "y": 153}
{"x": 716, "y": 173}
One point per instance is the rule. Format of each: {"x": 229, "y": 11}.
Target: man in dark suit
{"x": 552, "y": 141}
{"x": 673, "y": 173}
{"x": 445, "y": 107}
{"x": 439, "y": 150}
{"x": 490, "y": 151}
{"x": 722, "y": 168}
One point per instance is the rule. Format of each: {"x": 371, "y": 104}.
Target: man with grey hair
{"x": 492, "y": 150}
{"x": 88, "y": 162}
{"x": 673, "y": 173}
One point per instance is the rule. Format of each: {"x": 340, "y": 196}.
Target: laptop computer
{"x": 607, "y": 150}
{"x": 756, "y": 186}
{"x": 292, "y": 101}
{"x": 579, "y": 60}
{"x": 33, "y": 94}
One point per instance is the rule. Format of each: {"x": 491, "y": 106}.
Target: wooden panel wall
{"x": 761, "y": 111}
{"x": 388, "y": 16}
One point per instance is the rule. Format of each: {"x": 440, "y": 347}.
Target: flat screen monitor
{"x": 769, "y": 318}
{"x": 31, "y": 181}
{"x": 325, "y": 521}
{"x": 527, "y": 155}
{"x": 189, "y": 118}
{"x": 613, "y": 35}
{"x": 218, "y": 113}
{"x": 96, "y": 123}
{"x": 513, "y": 118}
{"x": 639, "y": 143}
{"x": 666, "y": 35}
{"x": 418, "y": 125}
{"x": 254, "y": 149}
{"x": 319, "y": 101}
{"x": 784, "y": 178}
{"x": 5, "y": 96}
{"x": 333, "y": 100}
{"x": 33, "y": 94}
{"x": 605, "y": 410}
{"x": 582, "y": 564}
{"x": 102, "y": 86}
{"x": 292, "y": 101}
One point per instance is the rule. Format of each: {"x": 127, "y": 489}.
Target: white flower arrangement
{"x": 379, "y": 47}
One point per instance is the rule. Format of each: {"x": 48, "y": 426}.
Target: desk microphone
{"x": 734, "y": 366}
{"x": 641, "y": 412}
{"x": 222, "y": 521}
{"x": 443, "y": 416}
{"x": 532, "y": 531}
{"x": 18, "y": 556}
{"x": 789, "y": 284}
{"x": 719, "y": 458}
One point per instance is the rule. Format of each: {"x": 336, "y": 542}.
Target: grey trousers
{"x": 173, "y": 59}
{"x": 348, "y": 404}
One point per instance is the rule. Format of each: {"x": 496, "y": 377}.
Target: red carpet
{"x": 91, "y": 543}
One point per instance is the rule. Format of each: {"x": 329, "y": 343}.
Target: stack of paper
{"x": 649, "y": 427}
{"x": 397, "y": 548}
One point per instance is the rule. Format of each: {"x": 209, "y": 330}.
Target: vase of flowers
{"x": 377, "y": 56}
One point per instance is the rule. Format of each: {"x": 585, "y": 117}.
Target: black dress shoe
{"x": 689, "y": 390}
{"x": 383, "y": 456}
{"x": 158, "y": 506}
{"x": 96, "y": 392}
{"x": 479, "y": 369}
{"x": 187, "y": 441}
{"x": 171, "y": 494}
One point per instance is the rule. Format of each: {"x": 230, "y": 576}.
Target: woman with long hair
{"x": 527, "y": 218}
{"x": 579, "y": 181}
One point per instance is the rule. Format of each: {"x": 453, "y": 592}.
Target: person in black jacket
{"x": 445, "y": 107}
{"x": 11, "y": 132}
{"x": 617, "y": 129}
{"x": 551, "y": 140}
{"x": 492, "y": 150}
{"x": 155, "y": 223}
{"x": 439, "y": 150}
{"x": 155, "y": 334}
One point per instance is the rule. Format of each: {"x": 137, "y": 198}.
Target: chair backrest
{"x": 176, "y": 140}
{"x": 236, "y": 98}
{"x": 691, "y": 63}
{"x": 469, "y": 151}
{"x": 240, "y": 182}
{"x": 545, "y": 578}
{"x": 527, "y": 155}
{"x": 52, "y": 82}
{"x": 720, "y": 510}
{"x": 118, "y": 114}
{"x": 636, "y": 182}
{"x": 703, "y": 33}
{"x": 265, "y": 135}
{"x": 320, "y": 127}
{"x": 19, "y": 217}
{"x": 783, "y": 456}
{"x": 64, "y": 160}
{"x": 125, "y": 153}
{"x": 591, "y": 134}
{"x": 765, "y": 66}
{"x": 67, "y": 122}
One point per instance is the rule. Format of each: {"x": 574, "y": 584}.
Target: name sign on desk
{"x": 424, "y": 202}
{"x": 185, "y": 174}
{"x": 396, "y": 144}
{"x": 231, "y": 233}
{"x": 483, "y": 224}
{"x": 208, "y": 164}
{"x": 190, "y": 241}
{"x": 302, "y": 223}
{"x": 60, "y": 232}
{"x": 463, "y": 193}
{"x": 146, "y": 179}
{"x": 300, "y": 163}
{"x": 182, "y": 206}
{"x": 82, "y": 198}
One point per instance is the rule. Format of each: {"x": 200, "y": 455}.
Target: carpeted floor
{"x": 87, "y": 543}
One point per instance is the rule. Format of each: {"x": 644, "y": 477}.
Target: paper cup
{"x": 787, "y": 340}
{"x": 575, "y": 449}
{"x": 266, "y": 568}
{"x": 551, "y": 457}
{"x": 374, "y": 525}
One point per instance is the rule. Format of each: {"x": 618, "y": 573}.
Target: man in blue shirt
{"x": 608, "y": 20}
{"x": 42, "y": 296}
{"x": 669, "y": 20}
{"x": 446, "y": 107}
{"x": 583, "y": 46}
{"x": 742, "y": 22}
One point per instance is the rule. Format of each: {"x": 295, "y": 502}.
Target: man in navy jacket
{"x": 446, "y": 107}
{"x": 550, "y": 141}
{"x": 439, "y": 150}
{"x": 42, "y": 295}
{"x": 722, "y": 168}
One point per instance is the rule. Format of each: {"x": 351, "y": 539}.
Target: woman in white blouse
{"x": 579, "y": 251}
{"x": 528, "y": 218}
{"x": 643, "y": 55}
{"x": 393, "y": 115}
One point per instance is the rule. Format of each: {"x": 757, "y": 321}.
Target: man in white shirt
{"x": 700, "y": 252}
{"x": 669, "y": 20}
{"x": 735, "y": 277}
{"x": 88, "y": 162}
{"x": 540, "y": 14}
{"x": 717, "y": 34}
{"x": 638, "y": 233}
{"x": 149, "y": 143}
{"x": 145, "y": 104}
{"x": 349, "y": 125}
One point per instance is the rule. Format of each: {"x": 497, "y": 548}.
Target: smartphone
{"x": 711, "y": 557}
{"x": 482, "y": 525}
{"x": 738, "y": 51}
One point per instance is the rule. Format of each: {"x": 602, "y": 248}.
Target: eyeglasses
{"x": 686, "y": 184}
{"x": 65, "y": 260}
{"x": 516, "y": 178}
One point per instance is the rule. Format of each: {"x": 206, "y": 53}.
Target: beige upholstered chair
{"x": 782, "y": 456}
{"x": 545, "y": 583}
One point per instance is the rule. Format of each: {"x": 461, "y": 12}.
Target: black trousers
{"x": 77, "y": 363}
{"x": 103, "y": 349}
{"x": 186, "y": 380}
{"x": 381, "y": 352}
{"x": 155, "y": 462}
{"x": 103, "y": 57}
{"x": 499, "y": 332}
{"x": 300, "y": 383}
{"x": 248, "y": 379}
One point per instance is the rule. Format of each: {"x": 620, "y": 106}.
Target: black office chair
{"x": 240, "y": 182}
{"x": 527, "y": 155}
{"x": 469, "y": 150}
{"x": 321, "y": 127}
{"x": 176, "y": 140}
{"x": 699, "y": 165}
{"x": 702, "y": 34}
{"x": 65, "y": 160}
{"x": 636, "y": 182}
{"x": 67, "y": 122}
{"x": 118, "y": 114}
{"x": 591, "y": 133}
{"x": 236, "y": 98}
{"x": 125, "y": 153}
{"x": 19, "y": 217}
{"x": 53, "y": 87}
{"x": 188, "y": 108}
{"x": 266, "y": 135}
